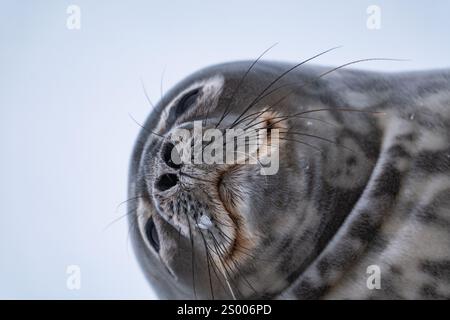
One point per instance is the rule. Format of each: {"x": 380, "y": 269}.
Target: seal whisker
{"x": 256, "y": 159}
{"x": 195, "y": 178}
{"x": 300, "y": 115}
{"x": 222, "y": 270}
{"x": 178, "y": 239}
{"x": 238, "y": 269}
{"x": 125, "y": 201}
{"x": 282, "y": 75}
{"x": 118, "y": 219}
{"x": 303, "y": 84}
{"x": 241, "y": 81}
{"x": 161, "y": 84}
{"x": 318, "y": 120}
{"x": 191, "y": 238}
{"x": 132, "y": 227}
{"x": 222, "y": 223}
{"x": 302, "y": 142}
{"x": 208, "y": 263}
{"x": 146, "y": 129}
{"x": 225, "y": 273}
{"x": 317, "y": 137}
{"x": 214, "y": 266}
{"x": 244, "y": 250}
{"x": 146, "y": 94}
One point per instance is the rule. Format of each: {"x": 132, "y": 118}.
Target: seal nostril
{"x": 167, "y": 155}
{"x": 166, "y": 181}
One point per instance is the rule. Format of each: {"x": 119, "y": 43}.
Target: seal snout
{"x": 168, "y": 180}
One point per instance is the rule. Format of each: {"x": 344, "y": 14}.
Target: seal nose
{"x": 170, "y": 156}
{"x": 166, "y": 181}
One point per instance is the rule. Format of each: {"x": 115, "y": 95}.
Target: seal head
{"x": 226, "y": 230}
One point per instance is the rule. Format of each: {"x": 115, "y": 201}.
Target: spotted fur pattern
{"x": 375, "y": 192}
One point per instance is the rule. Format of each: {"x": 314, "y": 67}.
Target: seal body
{"x": 359, "y": 206}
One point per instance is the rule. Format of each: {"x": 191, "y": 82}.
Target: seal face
{"x": 351, "y": 172}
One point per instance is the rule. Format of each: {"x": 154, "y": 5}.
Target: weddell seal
{"x": 355, "y": 202}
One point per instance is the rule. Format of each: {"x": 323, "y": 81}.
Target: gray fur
{"x": 325, "y": 216}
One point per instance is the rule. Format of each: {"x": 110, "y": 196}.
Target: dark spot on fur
{"x": 370, "y": 147}
{"x": 430, "y": 213}
{"x": 433, "y": 162}
{"x": 408, "y": 137}
{"x": 425, "y": 214}
{"x": 342, "y": 257}
{"x": 398, "y": 151}
{"x": 309, "y": 291}
{"x": 439, "y": 269}
{"x": 429, "y": 291}
{"x": 378, "y": 243}
{"x": 292, "y": 277}
{"x": 388, "y": 183}
{"x": 341, "y": 202}
{"x": 351, "y": 161}
{"x": 397, "y": 270}
{"x": 323, "y": 266}
{"x": 364, "y": 228}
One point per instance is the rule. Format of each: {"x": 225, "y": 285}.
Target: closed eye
{"x": 186, "y": 102}
{"x": 152, "y": 234}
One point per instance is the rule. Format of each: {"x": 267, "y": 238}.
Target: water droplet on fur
{"x": 308, "y": 123}
{"x": 412, "y": 116}
{"x": 204, "y": 222}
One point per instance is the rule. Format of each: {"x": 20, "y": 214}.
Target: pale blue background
{"x": 65, "y": 97}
